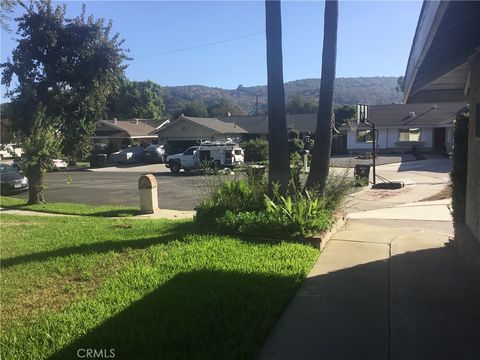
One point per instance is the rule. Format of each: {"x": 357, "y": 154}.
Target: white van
{"x": 215, "y": 154}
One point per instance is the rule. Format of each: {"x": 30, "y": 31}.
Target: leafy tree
{"x": 343, "y": 113}
{"x": 400, "y": 84}
{"x": 323, "y": 135}
{"x": 194, "y": 108}
{"x": 298, "y": 105}
{"x": 222, "y": 107}
{"x": 40, "y": 147}
{"x": 6, "y": 110}
{"x": 136, "y": 99}
{"x": 6, "y": 11}
{"x": 279, "y": 162}
{"x": 67, "y": 68}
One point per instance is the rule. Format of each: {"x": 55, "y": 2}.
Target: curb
{"x": 321, "y": 240}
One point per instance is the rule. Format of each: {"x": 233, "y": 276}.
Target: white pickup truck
{"x": 213, "y": 154}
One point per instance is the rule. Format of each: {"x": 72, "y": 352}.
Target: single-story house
{"x": 427, "y": 126}
{"x": 188, "y": 130}
{"x": 444, "y": 65}
{"x": 119, "y": 133}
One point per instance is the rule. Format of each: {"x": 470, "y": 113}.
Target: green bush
{"x": 242, "y": 207}
{"x": 252, "y": 223}
{"x": 304, "y": 215}
{"x": 280, "y": 217}
{"x": 295, "y": 146}
{"x": 255, "y": 150}
{"x": 233, "y": 195}
{"x": 337, "y": 189}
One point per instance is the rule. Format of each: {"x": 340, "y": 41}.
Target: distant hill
{"x": 369, "y": 90}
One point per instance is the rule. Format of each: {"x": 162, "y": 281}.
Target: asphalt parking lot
{"x": 120, "y": 187}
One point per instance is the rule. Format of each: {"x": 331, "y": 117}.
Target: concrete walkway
{"x": 387, "y": 286}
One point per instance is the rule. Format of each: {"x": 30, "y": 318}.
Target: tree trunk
{"x": 279, "y": 161}
{"x": 35, "y": 184}
{"x": 323, "y": 136}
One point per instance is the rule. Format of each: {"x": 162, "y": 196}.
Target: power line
{"x": 200, "y": 46}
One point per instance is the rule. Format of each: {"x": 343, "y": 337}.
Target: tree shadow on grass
{"x": 429, "y": 311}
{"x": 176, "y": 232}
{"x": 205, "y": 314}
{"x": 121, "y": 212}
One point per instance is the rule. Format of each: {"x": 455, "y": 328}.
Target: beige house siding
{"x": 184, "y": 130}
{"x": 473, "y": 176}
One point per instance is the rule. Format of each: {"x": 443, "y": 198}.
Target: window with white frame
{"x": 412, "y": 134}
{"x": 364, "y": 136}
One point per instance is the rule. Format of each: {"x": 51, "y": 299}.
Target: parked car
{"x": 154, "y": 154}
{"x": 58, "y": 164}
{"x": 12, "y": 181}
{"x": 129, "y": 155}
{"x": 8, "y": 151}
{"x": 214, "y": 154}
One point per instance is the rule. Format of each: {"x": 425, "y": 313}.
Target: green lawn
{"x": 8, "y": 202}
{"x": 147, "y": 289}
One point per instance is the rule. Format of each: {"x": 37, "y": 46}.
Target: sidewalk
{"x": 384, "y": 289}
{"x": 161, "y": 214}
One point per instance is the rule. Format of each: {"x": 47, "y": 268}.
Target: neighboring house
{"x": 188, "y": 130}
{"x": 119, "y": 133}
{"x": 427, "y": 127}
{"x": 444, "y": 65}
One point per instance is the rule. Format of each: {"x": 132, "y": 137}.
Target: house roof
{"x": 217, "y": 125}
{"x": 447, "y": 35}
{"x": 422, "y": 115}
{"x": 258, "y": 124}
{"x": 394, "y": 115}
{"x": 133, "y": 127}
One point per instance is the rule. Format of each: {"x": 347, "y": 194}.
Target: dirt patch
{"x": 445, "y": 193}
{"x": 378, "y": 194}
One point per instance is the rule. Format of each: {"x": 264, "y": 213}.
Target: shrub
{"x": 241, "y": 207}
{"x": 305, "y": 215}
{"x": 233, "y": 195}
{"x": 252, "y": 223}
{"x": 337, "y": 189}
{"x": 458, "y": 176}
{"x": 285, "y": 217}
{"x": 255, "y": 150}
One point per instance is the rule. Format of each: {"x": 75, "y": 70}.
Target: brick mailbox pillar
{"x": 147, "y": 186}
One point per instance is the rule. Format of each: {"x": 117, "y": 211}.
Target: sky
{"x": 374, "y": 39}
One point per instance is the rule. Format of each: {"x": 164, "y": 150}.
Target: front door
{"x": 439, "y": 137}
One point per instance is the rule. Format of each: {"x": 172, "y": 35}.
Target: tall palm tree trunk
{"x": 323, "y": 136}
{"x": 279, "y": 161}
